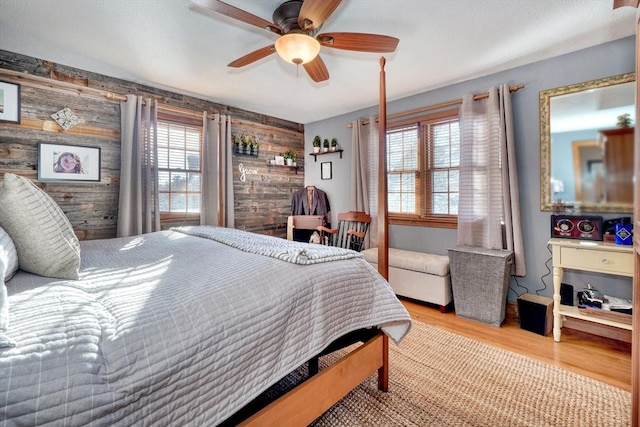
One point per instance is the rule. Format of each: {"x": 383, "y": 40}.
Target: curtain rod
{"x": 438, "y": 106}
{"x": 58, "y": 85}
{"x": 67, "y": 87}
{"x": 62, "y": 86}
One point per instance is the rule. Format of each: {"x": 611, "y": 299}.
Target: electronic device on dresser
{"x": 566, "y": 294}
{"x": 576, "y": 227}
{"x": 611, "y": 230}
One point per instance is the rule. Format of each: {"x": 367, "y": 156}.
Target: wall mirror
{"x": 586, "y": 158}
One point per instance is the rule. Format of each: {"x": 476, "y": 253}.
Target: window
{"x": 179, "y": 170}
{"x": 402, "y": 171}
{"x": 443, "y": 166}
{"x": 423, "y": 158}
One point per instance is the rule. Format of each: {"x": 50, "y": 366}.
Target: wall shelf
{"x": 252, "y": 153}
{"x": 322, "y": 153}
{"x": 284, "y": 166}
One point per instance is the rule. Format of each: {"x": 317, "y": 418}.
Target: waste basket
{"x": 480, "y": 282}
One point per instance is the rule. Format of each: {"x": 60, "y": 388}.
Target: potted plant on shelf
{"x": 316, "y": 144}
{"x": 237, "y": 143}
{"x": 289, "y": 157}
{"x": 325, "y": 145}
{"x": 624, "y": 121}
{"x": 246, "y": 143}
{"x": 334, "y": 144}
{"x": 253, "y": 144}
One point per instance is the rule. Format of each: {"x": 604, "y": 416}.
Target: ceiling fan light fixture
{"x": 297, "y": 48}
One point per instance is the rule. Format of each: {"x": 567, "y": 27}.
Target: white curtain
{"x": 489, "y": 210}
{"x": 364, "y": 174}
{"x": 217, "y": 205}
{"x": 138, "y": 210}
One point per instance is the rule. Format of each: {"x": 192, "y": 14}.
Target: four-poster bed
{"x": 150, "y": 333}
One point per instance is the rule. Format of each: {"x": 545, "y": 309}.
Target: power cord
{"x": 526, "y": 290}
{"x": 546, "y": 264}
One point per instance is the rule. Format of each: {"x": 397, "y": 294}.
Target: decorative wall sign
{"x": 66, "y": 118}
{"x": 59, "y": 162}
{"x": 9, "y": 102}
{"x": 244, "y": 172}
{"x": 325, "y": 170}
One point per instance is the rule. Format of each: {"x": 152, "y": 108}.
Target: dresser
{"x": 597, "y": 257}
{"x": 618, "y": 162}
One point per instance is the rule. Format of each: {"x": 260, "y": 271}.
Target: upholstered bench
{"x": 421, "y": 276}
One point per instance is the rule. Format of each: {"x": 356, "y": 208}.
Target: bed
{"x": 177, "y": 327}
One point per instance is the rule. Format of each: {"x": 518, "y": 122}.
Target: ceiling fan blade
{"x": 622, "y": 3}
{"x": 254, "y": 56}
{"x": 235, "y": 13}
{"x": 314, "y": 12}
{"x": 361, "y": 42}
{"x": 317, "y": 70}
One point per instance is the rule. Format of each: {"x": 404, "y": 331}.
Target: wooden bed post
{"x": 383, "y": 371}
{"x": 383, "y": 222}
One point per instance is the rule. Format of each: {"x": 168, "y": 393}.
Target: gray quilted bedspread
{"x": 170, "y": 328}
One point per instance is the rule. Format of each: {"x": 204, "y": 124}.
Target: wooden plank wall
{"x": 262, "y": 200}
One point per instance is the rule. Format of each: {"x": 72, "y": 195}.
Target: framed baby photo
{"x": 61, "y": 162}
{"x": 9, "y": 102}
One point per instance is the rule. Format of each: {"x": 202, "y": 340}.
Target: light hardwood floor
{"x": 596, "y": 357}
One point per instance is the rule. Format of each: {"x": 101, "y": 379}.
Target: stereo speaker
{"x": 536, "y": 313}
{"x": 566, "y": 294}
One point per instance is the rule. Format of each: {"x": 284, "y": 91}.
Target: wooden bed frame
{"x": 309, "y": 400}
{"x": 315, "y": 396}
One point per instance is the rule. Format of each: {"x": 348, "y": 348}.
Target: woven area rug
{"x": 441, "y": 379}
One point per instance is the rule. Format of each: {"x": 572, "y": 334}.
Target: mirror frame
{"x": 546, "y": 203}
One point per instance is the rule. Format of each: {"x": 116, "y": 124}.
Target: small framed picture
{"x": 325, "y": 170}
{"x": 60, "y": 162}
{"x": 9, "y": 102}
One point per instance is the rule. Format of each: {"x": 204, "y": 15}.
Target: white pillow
{"x": 42, "y": 234}
{"x": 8, "y": 256}
{"x": 5, "y": 340}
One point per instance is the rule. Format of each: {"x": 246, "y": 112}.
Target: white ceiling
{"x": 168, "y": 44}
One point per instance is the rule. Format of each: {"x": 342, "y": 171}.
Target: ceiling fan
{"x": 297, "y": 23}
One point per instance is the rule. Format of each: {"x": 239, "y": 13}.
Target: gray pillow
{"x": 8, "y": 256}
{"x": 42, "y": 234}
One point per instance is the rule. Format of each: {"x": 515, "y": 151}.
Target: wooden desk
{"x": 597, "y": 257}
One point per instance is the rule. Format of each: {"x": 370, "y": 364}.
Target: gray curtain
{"x": 138, "y": 210}
{"x": 489, "y": 205}
{"x": 364, "y": 174}
{"x": 217, "y": 205}
{"x": 359, "y": 168}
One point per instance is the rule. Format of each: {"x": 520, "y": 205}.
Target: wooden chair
{"x": 302, "y": 222}
{"x": 352, "y": 228}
